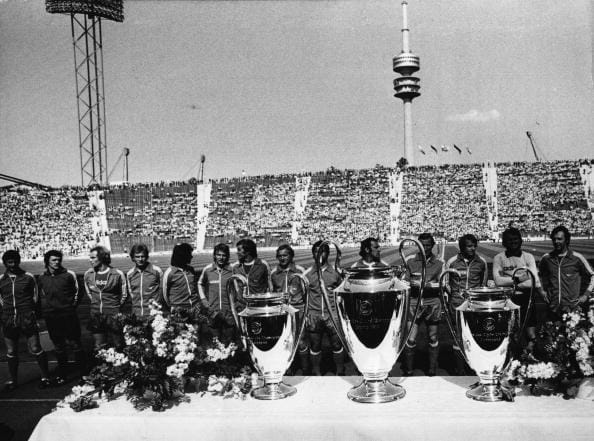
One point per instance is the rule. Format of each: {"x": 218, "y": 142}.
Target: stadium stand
{"x": 447, "y": 200}
{"x": 35, "y": 220}
{"x": 261, "y": 207}
{"x": 342, "y": 205}
{"x": 537, "y": 196}
{"x": 346, "y": 205}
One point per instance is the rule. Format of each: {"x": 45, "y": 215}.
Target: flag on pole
{"x": 434, "y": 148}
{"x": 458, "y": 148}
{"x": 468, "y": 150}
{"x": 422, "y": 151}
{"x": 445, "y": 148}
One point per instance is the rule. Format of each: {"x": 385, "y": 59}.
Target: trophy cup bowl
{"x": 482, "y": 328}
{"x": 372, "y": 308}
{"x": 270, "y": 329}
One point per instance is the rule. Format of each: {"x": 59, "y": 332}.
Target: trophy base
{"x": 376, "y": 391}
{"x": 489, "y": 393}
{"x": 273, "y": 391}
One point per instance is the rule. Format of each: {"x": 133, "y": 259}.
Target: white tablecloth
{"x": 433, "y": 409}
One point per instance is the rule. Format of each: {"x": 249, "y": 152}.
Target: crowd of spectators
{"x": 260, "y": 207}
{"x": 164, "y": 212}
{"x": 448, "y": 201}
{"x": 34, "y": 221}
{"x": 537, "y": 196}
{"x": 341, "y": 205}
{"x": 347, "y": 205}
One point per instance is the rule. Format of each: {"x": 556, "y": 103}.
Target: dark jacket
{"x": 18, "y": 294}
{"x": 180, "y": 287}
{"x": 564, "y": 277}
{"x": 59, "y": 291}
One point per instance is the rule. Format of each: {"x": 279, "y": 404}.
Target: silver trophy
{"x": 483, "y": 327}
{"x": 373, "y": 309}
{"x": 270, "y": 329}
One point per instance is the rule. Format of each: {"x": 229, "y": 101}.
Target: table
{"x": 434, "y": 408}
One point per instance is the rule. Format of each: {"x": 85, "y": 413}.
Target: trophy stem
{"x": 376, "y": 390}
{"x": 273, "y": 391}
{"x": 489, "y": 390}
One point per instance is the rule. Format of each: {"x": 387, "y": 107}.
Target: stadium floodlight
{"x": 85, "y": 19}
{"x": 108, "y": 9}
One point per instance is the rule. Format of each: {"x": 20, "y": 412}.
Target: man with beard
{"x": 567, "y": 277}
{"x": 370, "y": 255}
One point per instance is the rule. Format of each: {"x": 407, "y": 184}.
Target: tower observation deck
{"x": 407, "y": 86}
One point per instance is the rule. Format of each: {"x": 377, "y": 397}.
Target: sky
{"x": 286, "y": 86}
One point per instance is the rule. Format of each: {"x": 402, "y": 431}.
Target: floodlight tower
{"x": 406, "y": 86}
{"x": 85, "y": 19}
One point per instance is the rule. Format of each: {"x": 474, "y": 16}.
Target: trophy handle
{"x": 305, "y": 288}
{"x": 530, "y": 299}
{"x": 235, "y": 280}
{"x": 324, "y": 290}
{"x": 446, "y": 309}
{"x": 423, "y": 278}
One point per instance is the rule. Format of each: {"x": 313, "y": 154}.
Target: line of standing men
{"x": 567, "y": 283}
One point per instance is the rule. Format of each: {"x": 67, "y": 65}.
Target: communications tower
{"x": 85, "y": 19}
{"x": 406, "y": 86}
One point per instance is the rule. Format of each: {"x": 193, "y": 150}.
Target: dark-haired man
{"x": 106, "y": 288}
{"x": 58, "y": 289}
{"x": 144, "y": 281}
{"x": 504, "y": 265}
{"x": 430, "y": 308}
{"x": 284, "y": 278}
{"x": 318, "y": 321}
{"x": 370, "y": 254}
{"x": 567, "y": 277}
{"x": 212, "y": 288}
{"x": 18, "y": 298}
{"x": 472, "y": 270}
{"x": 254, "y": 269}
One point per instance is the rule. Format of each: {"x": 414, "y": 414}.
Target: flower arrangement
{"x": 563, "y": 355}
{"x": 162, "y": 357}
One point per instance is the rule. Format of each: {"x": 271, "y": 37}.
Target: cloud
{"x": 474, "y": 115}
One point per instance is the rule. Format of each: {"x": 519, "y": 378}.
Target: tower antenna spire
{"x": 407, "y": 86}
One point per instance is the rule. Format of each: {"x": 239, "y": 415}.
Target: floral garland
{"x": 563, "y": 355}
{"x": 162, "y": 357}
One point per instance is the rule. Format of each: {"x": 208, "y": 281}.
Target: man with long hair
{"x": 58, "y": 289}
{"x": 18, "y": 299}
{"x": 318, "y": 321}
{"x": 180, "y": 290}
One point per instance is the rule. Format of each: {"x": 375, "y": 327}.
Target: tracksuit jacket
{"x": 180, "y": 287}
{"x": 280, "y": 278}
{"x": 564, "y": 277}
{"x": 109, "y": 299}
{"x": 331, "y": 280}
{"x": 59, "y": 291}
{"x": 144, "y": 285}
{"x": 258, "y": 275}
{"x": 18, "y": 295}
{"x": 473, "y": 272}
{"x": 212, "y": 286}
